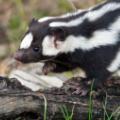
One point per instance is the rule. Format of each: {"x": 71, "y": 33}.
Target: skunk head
{"x": 41, "y": 42}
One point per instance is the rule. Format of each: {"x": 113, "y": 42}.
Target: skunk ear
{"x": 33, "y": 21}
{"x": 58, "y": 32}
{"x": 59, "y": 35}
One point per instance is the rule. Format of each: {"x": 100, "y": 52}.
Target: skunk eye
{"x": 36, "y": 49}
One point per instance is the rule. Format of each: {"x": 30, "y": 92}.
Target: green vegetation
{"x": 17, "y": 23}
{"x": 68, "y": 115}
{"x": 45, "y": 108}
{"x": 90, "y": 108}
{"x": 64, "y": 5}
{"x": 115, "y": 114}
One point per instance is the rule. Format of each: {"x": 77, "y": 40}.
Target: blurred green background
{"x": 16, "y": 14}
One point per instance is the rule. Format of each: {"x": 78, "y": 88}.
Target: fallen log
{"x": 16, "y": 101}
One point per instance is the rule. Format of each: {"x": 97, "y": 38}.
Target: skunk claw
{"x": 48, "y": 67}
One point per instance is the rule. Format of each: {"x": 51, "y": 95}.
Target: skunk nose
{"x": 18, "y": 55}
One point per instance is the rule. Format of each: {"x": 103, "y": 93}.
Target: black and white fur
{"x": 89, "y": 39}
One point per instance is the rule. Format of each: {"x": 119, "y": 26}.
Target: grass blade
{"x": 90, "y": 103}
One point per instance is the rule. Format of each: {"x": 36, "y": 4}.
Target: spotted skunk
{"x": 89, "y": 39}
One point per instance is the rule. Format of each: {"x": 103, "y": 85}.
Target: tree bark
{"x": 15, "y": 100}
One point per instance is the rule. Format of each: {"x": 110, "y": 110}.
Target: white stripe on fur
{"x": 91, "y": 15}
{"x": 94, "y": 15}
{"x": 100, "y": 38}
{"x": 48, "y": 46}
{"x": 27, "y": 41}
{"x": 45, "y": 19}
{"x": 61, "y": 16}
{"x": 116, "y": 25}
{"x": 75, "y": 22}
{"x": 72, "y": 13}
{"x": 115, "y": 63}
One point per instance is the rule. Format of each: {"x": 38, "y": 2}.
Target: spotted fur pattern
{"x": 88, "y": 38}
